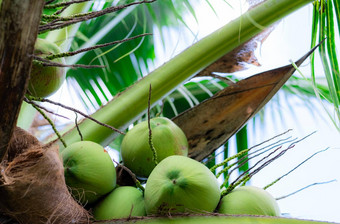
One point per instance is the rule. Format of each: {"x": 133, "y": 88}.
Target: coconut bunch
{"x": 164, "y": 180}
{"x": 81, "y": 182}
{"x": 156, "y": 176}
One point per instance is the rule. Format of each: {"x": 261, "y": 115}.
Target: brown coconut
{"x": 32, "y": 184}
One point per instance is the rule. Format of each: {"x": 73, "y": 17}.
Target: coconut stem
{"x": 137, "y": 182}
{"x": 76, "y": 111}
{"x": 212, "y": 169}
{"x": 72, "y": 53}
{"x": 76, "y": 122}
{"x": 58, "y": 22}
{"x": 286, "y": 174}
{"x": 301, "y": 189}
{"x": 61, "y": 4}
{"x": 154, "y": 153}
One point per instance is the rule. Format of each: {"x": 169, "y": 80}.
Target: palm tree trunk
{"x": 19, "y": 21}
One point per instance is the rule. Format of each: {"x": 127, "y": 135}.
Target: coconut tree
{"x": 131, "y": 24}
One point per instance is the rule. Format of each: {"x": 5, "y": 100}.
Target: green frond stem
{"x": 131, "y": 103}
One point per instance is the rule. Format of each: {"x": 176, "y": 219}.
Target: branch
{"x": 61, "y": 22}
{"x": 76, "y": 111}
{"x": 62, "y": 4}
{"x": 45, "y": 62}
{"x": 19, "y": 22}
{"x": 72, "y": 53}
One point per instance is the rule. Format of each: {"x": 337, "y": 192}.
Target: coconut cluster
{"x": 174, "y": 183}
{"x": 156, "y": 152}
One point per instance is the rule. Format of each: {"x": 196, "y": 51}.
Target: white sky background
{"x": 289, "y": 41}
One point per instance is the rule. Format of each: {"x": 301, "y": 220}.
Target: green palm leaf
{"x": 121, "y": 72}
{"x": 323, "y": 27}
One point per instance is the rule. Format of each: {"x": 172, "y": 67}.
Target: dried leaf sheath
{"x": 211, "y": 123}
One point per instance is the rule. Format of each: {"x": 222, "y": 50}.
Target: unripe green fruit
{"x": 180, "y": 184}
{"x": 249, "y": 200}
{"x": 168, "y": 139}
{"x": 45, "y": 80}
{"x": 122, "y": 202}
{"x": 89, "y": 171}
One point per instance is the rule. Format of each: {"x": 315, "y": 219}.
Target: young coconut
{"x": 89, "y": 171}
{"x": 249, "y": 200}
{"x": 180, "y": 184}
{"x": 167, "y": 138}
{"x": 122, "y": 202}
{"x": 45, "y": 80}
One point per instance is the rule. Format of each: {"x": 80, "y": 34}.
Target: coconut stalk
{"x": 124, "y": 108}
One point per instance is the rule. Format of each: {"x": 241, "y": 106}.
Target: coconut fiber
{"x": 32, "y": 184}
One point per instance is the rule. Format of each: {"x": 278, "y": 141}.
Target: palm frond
{"x": 129, "y": 61}
{"x": 323, "y": 28}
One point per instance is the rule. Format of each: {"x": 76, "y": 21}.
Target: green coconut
{"x": 180, "y": 184}
{"x": 89, "y": 171}
{"x": 122, "y": 202}
{"x": 168, "y": 139}
{"x": 45, "y": 80}
{"x": 249, "y": 200}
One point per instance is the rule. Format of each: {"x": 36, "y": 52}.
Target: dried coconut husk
{"x": 32, "y": 184}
